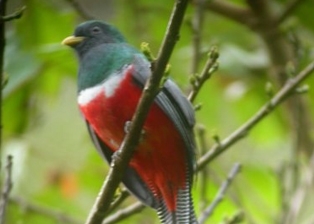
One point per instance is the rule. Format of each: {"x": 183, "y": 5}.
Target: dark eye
{"x": 95, "y": 30}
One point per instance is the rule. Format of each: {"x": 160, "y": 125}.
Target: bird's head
{"x": 91, "y": 34}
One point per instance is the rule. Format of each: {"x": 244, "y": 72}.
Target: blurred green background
{"x": 55, "y": 165}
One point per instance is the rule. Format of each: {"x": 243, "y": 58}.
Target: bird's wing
{"x": 180, "y": 111}
{"x": 173, "y": 103}
{"x": 134, "y": 184}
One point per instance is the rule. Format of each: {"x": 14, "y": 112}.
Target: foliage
{"x": 56, "y": 171}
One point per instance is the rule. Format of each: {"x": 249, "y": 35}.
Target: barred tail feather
{"x": 185, "y": 210}
{"x": 184, "y": 213}
{"x": 165, "y": 216}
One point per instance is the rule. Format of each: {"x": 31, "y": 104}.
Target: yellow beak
{"x": 72, "y": 40}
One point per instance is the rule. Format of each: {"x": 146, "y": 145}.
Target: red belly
{"x": 160, "y": 158}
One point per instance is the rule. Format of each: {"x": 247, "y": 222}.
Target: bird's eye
{"x": 95, "y": 30}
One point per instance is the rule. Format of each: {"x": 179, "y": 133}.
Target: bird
{"x": 111, "y": 77}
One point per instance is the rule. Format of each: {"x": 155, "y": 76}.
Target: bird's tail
{"x": 184, "y": 212}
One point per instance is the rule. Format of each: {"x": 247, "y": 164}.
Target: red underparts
{"x": 159, "y": 158}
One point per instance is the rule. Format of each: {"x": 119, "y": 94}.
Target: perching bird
{"x": 111, "y": 77}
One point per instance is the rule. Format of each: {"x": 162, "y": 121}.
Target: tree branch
{"x": 242, "y": 131}
{"x": 6, "y": 190}
{"x": 210, "y": 67}
{"x": 3, "y": 4}
{"x": 282, "y": 52}
{"x": 292, "y": 5}
{"x": 124, "y": 194}
{"x": 122, "y": 157}
{"x": 220, "y": 194}
{"x": 299, "y": 195}
{"x": 236, "y": 218}
{"x": 200, "y": 130}
{"x": 232, "y": 11}
{"x": 15, "y": 15}
{"x": 59, "y": 216}
{"x": 78, "y": 8}
{"x": 124, "y": 213}
{"x": 197, "y": 27}
{"x": 284, "y": 193}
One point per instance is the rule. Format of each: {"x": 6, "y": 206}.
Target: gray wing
{"x": 134, "y": 184}
{"x": 173, "y": 102}
{"x": 180, "y": 111}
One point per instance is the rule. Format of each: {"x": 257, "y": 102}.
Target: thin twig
{"x": 292, "y": 5}
{"x": 59, "y": 216}
{"x": 124, "y": 213}
{"x": 237, "y": 218}
{"x": 296, "y": 203}
{"x": 210, "y": 67}
{"x": 80, "y": 10}
{"x": 197, "y": 27}
{"x": 299, "y": 196}
{"x": 282, "y": 176}
{"x": 204, "y": 173}
{"x": 122, "y": 157}
{"x": 123, "y": 195}
{"x": 6, "y": 190}
{"x": 220, "y": 194}
{"x": 231, "y": 10}
{"x": 15, "y": 15}
{"x": 243, "y": 130}
{"x": 3, "y": 4}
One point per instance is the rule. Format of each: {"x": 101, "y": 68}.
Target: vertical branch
{"x": 291, "y": 6}
{"x": 171, "y": 37}
{"x": 80, "y": 10}
{"x": 197, "y": 24}
{"x": 7, "y": 186}
{"x": 2, "y": 46}
{"x": 283, "y": 191}
{"x": 299, "y": 195}
{"x": 204, "y": 172}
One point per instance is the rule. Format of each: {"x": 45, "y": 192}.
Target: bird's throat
{"x": 107, "y": 88}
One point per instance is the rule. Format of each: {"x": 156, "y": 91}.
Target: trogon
{"x": 111, "y": 77}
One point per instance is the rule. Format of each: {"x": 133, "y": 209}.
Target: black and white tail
{"x": 184, "y": 213}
